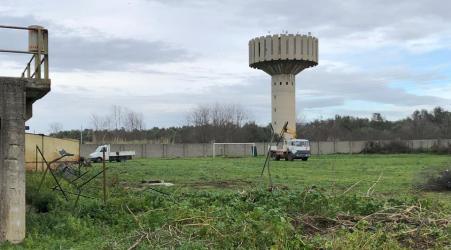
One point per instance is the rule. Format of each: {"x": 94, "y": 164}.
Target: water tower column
{"x": 283, "y": 103}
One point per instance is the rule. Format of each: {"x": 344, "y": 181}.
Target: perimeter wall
{"x": 206, "y": 150}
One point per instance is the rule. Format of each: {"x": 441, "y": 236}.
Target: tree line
{"x": 421, "y": 124}
{"x": 231, "y": 123}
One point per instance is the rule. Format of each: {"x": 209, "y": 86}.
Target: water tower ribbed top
{"x": 283, "y": 54}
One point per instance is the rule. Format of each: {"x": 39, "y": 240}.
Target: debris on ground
{"x": 156, "y": 183}
{"x": 434, "y": 180}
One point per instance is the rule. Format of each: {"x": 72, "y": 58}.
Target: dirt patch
{"x": 221, "y": 183}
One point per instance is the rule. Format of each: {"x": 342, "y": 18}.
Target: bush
{"x": 435, "y": 180}
{"x": 440, "y": 149}
{"x": 373, "y": 147}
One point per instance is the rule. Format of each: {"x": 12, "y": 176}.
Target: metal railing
{"x": 39, "y": 62}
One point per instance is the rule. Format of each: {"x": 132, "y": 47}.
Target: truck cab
{"x": 291, "y": 149}
{"x": 300, "y": 148}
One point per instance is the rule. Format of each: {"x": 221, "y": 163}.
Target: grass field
{"x": 335, "y": 202}
{"x": 333, "y": 173}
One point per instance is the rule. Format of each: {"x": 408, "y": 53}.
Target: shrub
{"x": 373, "y": 147}
{"x": 441, "y": 149}
{"x": 434, "y": 180}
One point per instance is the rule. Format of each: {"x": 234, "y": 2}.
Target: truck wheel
{"x": 304, "y": 158}
{"x": 273, "y": 156}
{"x": 290, "y": 157}
{"x": 99, "y": 160}
{"x": 277, "y": 158}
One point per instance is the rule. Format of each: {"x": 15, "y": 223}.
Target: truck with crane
{"x": 291, "y": 149}
{"x": 288, "y": 147}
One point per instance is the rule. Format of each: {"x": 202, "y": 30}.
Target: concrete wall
{"x": 50, "y": 147}
{"x": 206, "y": 150}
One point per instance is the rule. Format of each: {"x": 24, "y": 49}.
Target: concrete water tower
{"x": 283, "y": 56}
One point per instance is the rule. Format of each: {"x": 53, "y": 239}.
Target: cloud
{"x": 96, "y": 52}
{"x": 71, "y": 53}
{"x": 344, "y": 25}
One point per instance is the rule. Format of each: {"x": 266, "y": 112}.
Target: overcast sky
{"x": 164, "y": 57}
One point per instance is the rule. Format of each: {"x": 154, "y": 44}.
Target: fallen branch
{"x": 370, "y": 190}
{"x": 351, "y": 187}
{"x": 136, "y": 243}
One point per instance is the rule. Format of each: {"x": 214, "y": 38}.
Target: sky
{"x": 164, "y": 58}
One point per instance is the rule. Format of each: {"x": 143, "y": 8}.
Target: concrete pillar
{"x": 17, "y": 96}
{"x": 12, "y": 168}
{"x": 283, "y": 103}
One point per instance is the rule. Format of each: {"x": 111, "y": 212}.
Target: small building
{"x": 50, "y": 147}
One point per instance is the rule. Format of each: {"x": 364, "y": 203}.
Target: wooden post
{"x": 104, "y": 176}
{"x": 36, "y": 159}
{"x": 43, "y": 152}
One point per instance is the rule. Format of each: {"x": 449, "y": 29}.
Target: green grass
{"x": 334, "y": 173}
{"x": 224, "y": 203}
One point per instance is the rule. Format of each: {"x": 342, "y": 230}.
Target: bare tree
{"x": 117, "y": 116}
{"x": 100, "y": 125}
{"x": 199, "y": 116}
{"x": 217, "y": 122}
{"x": 55, "y": 127}
{"x": 117, "y": 124}
{"x": 134, "y": 121}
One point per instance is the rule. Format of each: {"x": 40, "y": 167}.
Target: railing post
{"x": 28, "y": 70}
{"x": 46, "y": 67}
{"x": 37, "y": 59}
{"x": 46, "y": 56}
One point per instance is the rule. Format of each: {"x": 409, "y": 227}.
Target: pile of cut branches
{"x": 412, "y": 226}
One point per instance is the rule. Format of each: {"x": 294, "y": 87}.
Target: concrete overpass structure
{"x": 17, "y": 95}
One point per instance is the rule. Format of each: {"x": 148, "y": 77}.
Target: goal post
{"x": 225, "y": 144}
